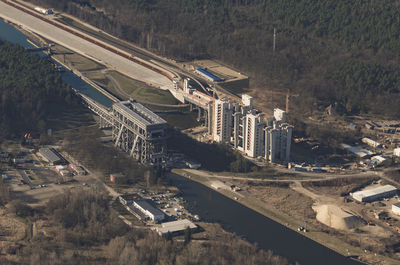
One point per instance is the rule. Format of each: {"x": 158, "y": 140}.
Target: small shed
{"x": 396, "y": 152}
{"x": 116, "y": 177}
{"x": 396, "y": 208}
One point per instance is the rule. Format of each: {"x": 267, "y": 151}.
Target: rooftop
{"x": 175, "y": 226}
{"x": 375, "y": 191}
{"x": 49, "y": 154}
{"x": 147, "y": 205}
{"x": 139, "y": 112}
{"x": 203, "y": 71}
{"x": 397, "y": 204}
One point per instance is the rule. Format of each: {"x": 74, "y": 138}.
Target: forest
{"x": 78, "y": 227}
{"x": 31, "y": 91}
{"x": 319, "y": 43}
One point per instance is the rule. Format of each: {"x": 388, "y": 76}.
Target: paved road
{"x": 84, "y": 47}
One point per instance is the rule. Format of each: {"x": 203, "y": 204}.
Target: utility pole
{"x": 274, "y": 44}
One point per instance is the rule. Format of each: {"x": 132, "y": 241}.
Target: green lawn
{"x": 141, "y": 91}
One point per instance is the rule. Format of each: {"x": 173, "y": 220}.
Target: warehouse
{"x": 51, "y": 156}
{"x": 146, "y": 207}
{"x": 175, "y": 227}
{"x": 375, "y": 194}
{"x": 371, "y": 142}
{"x": 357, "y": 151}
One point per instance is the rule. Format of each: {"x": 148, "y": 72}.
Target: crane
{"x": 288, "y": 96}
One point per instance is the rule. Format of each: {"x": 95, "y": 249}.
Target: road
{"x": 84, "y": 47}
{"x": 303, "y": 175}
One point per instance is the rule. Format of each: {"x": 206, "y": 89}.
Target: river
{"x": 211, "y": 205}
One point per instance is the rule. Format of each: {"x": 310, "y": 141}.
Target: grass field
{"x": 141, "y": 91}
{"x": 74, "y": 60}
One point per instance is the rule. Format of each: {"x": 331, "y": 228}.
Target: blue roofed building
{"x": 207, "y": 75}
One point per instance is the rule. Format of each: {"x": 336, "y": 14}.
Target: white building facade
{"x": 254, "y": 135}
{"x": 278, "y": 139}
{"x": 223, "y": 120}
{"x": 241, "y": 125}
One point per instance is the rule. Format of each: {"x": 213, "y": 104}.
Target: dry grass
{"x": 338, "y": 187}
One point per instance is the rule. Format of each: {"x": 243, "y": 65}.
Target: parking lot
{"x": 32, "y": 179}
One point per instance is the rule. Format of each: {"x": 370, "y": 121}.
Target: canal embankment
{"x": 270, "y": 212}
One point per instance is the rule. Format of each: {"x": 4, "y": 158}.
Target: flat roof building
{"x": 396, "y": 208}
{"x": 357, "y": 151}
{"x": 209, "y": 76}
{"x": 375, "y": 194}
{"x": 139, "y": 132}
{"x": 396, "y": 152}
{"x": 146, "y": 207}
{"x": 370, "y": 142}
{"x": 50, "y": 155}
{"x": 175, "y": 227}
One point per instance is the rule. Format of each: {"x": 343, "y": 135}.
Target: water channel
{"x": 9, "y": 33}
{"x": 212, "y": 206}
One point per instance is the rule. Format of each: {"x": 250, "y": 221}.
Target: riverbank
{"x": 290, "y": 222}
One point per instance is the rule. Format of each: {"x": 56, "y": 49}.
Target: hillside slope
{"x": 342, "y": 52}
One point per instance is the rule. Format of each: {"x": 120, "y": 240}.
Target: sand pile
{"x": 335, "y": 217}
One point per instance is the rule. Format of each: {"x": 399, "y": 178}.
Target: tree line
{"x": 30, "y": 91}
{"x": 79, "y": 227}
{"x": 313, "y": 40}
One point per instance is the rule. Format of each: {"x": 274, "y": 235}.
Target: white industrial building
{"x": 396, "y": 152}
{"x": 371, "y": 142}
{"x": 149, "y": 210}
{"x": 355, "y": 150}
{"x": 175, "y": 227}
{"x": 222, "y": 120}
{"x": 375, "y": 194}
{"x": 396, "y": 208}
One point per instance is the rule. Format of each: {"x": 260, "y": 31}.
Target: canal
{"x": 9, "y": 33}
{"x": 234, "y": 217}
{"x": 212, "y": 206}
